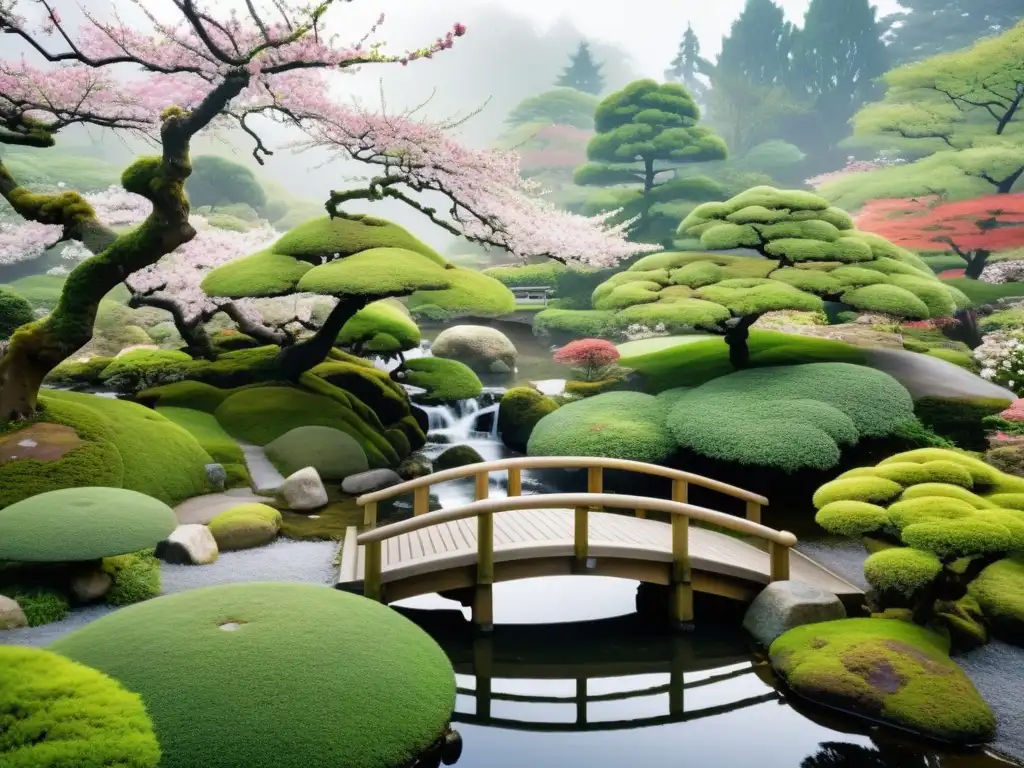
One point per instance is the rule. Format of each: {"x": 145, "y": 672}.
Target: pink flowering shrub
{"x": 1015, "y": 412}
{"x": 591, "y": 359}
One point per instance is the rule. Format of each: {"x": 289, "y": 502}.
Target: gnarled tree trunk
{"x": 736, "y": 337}
{"x": 295, "y": 360}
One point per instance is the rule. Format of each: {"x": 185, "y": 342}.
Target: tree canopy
{"x": 583, "y": 72}
{"x": 559, "y": 106}
{"x": 644, "y": 131}
{"x": 923, "y": 28}
{"x": 688, "y": 64}
{"x": 758, "y": 46}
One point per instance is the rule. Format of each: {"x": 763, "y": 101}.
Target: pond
{"x": 572, "y": 677}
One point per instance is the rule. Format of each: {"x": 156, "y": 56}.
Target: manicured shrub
{"x": 77, "y": 524}
{"x": 569, "y": 322}
{"x": 60, "y": 713}
{"x": 444, "y": 381}
{"x": 851, "y": 518}
{"x": 145, "y": 368}
{"x": 136, "y": 577}
{"x": 884, "y": 669}
{"x": 999, "y": 591}
{"x": 875, "y": 490}
{"x": 926, "y": 508}
{"x": 332, "y": 453}
{"x": 518, "y": 413}
{"x": 72, "y": 373}
{"x": 945, "y": 489}
{"x": 953, "y": 539}
{"x": 41, "y": 605}
{"x": 381, "y": 328}
{"x": 15, "y": 311}
{"x": 621, "y": 425}
{"x": 472, "y": 294}
{"x": 245, "y": 526}
{"x": 981, "y": 473}
{"x": 590, "y": 359}
{"x": 901, "y": 570}
{"x": 959, "y": 419}
{"x": 528, "y": 275}
{"x": 389, "y": 696}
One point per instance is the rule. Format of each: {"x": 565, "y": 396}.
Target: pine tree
{"x": 688, "y": 63}
{"x": 583, "y": 73}
{"x": 926, "y": 27}
{"x": 758, "y": 45}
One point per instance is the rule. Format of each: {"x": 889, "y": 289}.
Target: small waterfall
{"x": 462, "y": 422}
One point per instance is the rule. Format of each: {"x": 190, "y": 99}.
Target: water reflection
{"x": 596, "y": 686}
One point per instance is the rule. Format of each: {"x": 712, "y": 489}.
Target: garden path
{"x": 264, "y": 475}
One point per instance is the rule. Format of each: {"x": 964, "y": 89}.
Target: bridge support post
{"x": 681, "y": 598}
{"x": 483, "y": 597}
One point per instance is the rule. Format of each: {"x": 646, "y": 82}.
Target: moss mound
{"x": 457, "y": 456}
{"x": 76, "y": 524}
{"x": 472, "y": 294}
{"x": 208, "y": 432}
{"x": 56, "y": 712}
{"x": 999, "y": 591}
{"x": 325, "y": 236}
{"x": 382, "y": 328}
{"x": 443, "y": 381}
{"x": 888, "y": 670}
{"x": 262, "y": 415}
{"x": 245, "y": 526}
{"x": 518, "y": 413}
{"x": 788, "y": 418}
{"x": 373, "y": 386}
{"x": 254, "y": 696}
{"x": 194, "y": 395}
{"x": 72, "y": 373}
{"x": 40, "y": 604}
{"x": 574, "y": 323}
{"x": 619, "y": 425}
{"x": 145, "y": 368}
{"x": 332, "y": 453}
{"x": 15, "y": 311}
{"x": 136, "y": 577}
{"x": 124, "y": 446}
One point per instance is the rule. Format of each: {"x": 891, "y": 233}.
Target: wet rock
{"x": 303, "y": 490}
{"x": 89, "y": 586}
{"x": 367, "y": 482}
{"x": 11, "y": 614}
{"x": 415, "y": 466}
{"x": 783, "y": 605}
{"x": 216, "y": 476}
{"x": 188, "y": 545}
{"x": 477, "y": 346}
{"x": 457, "y": 456}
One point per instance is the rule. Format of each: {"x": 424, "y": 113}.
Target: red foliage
{"x": 992, "y": 223}
{"x": 951, "y": 273}
{"x": 587, "y": 353}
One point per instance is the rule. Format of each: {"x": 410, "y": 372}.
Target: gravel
{"x": 996, "y": 671}
{"x": 284, "y": 560}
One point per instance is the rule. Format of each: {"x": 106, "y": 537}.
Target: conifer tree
{"x": 583, "y": 73}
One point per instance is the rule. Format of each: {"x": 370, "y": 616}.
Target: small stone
{"x": 367, "y": 482}
{"x": 783, "y": 605}
{"x": 415, "y": 466}
{"x": 11, "y": 614}
{"x": 89, "y": 586}
{"x": 303, "y": 490}
{"x": 188, "y": 545}
{"x": 216, "y": 476}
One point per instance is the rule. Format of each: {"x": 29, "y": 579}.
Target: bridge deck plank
{"x": 526, "y": 534}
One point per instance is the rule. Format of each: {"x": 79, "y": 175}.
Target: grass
{"x": 657, "y": 344}
{"x": 57, "y": 712}
{"x": 691, "y": 365}
{"x": 986, "y": 293}
{"x": 885, "y": 669}
{"x": 208, "y": 433}
{"x": 76, "y": 524}
{"x": 255, "y": 696}
{"x": 330, "y": 523}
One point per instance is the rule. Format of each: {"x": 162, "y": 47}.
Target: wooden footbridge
{"x": 519, "y": 537}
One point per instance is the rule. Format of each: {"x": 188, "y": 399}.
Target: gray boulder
{"x": 367, "y": 482}
{"x": 303, "y": 490}
{"x": 216, "y": 476}
{"x": 191, "y": 544}
{"x": 89, "y": 586}
{"x": 477, "y": 346}
{"x": 11, "y": 614}
{"x": 783, "y": 605}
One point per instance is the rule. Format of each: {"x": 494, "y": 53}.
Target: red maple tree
{"x": 972, "y": 229}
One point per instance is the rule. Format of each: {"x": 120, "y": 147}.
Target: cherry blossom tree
{"x": 202, "y": 68}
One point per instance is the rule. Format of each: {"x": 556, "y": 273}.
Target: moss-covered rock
{"x": 888, "y": 670}
{"x": 82, "y": 524}
{"x": 41, "y": 605}
{"x": 457, "y": 456}
{"x": 373, "y": 386}
{"x": 620, "y": 425}
{"x": 518, "y": 413}
{"x": 472, "y": 294}
{"x": 58, "y": 712}
{"x": 245, "y": 526}
{"x": 73, "y": 372}
{"x": 389, "y": 697}
{"x": 477, "y": 346}
{"x": 443, "y": 381}
{"x": 145, "y": 368}
{"x": 573, "y": 323}
{"x": 999, "y": 591}
{"x": 332, "y": 453}
{"x": 383, "y": 328}
{"x": 15, "y": 311}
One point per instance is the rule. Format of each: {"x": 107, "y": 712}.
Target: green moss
{"x": 328, "y": 524}
{"x": 15, "y": 311}
{"x": 445, "y": 381}
{"x": 947, "y": 490}
{"x": 208, "y": 432}
{"x": 956, "y": 357}
{"x": 921, "y": 509}
{"x": 385, "y": 670}
{"x": 888, "y": 300}
{"x": 378, "y": 272}
{"x": 76, "y": 524}
{"x": 373, "y": 386}
{"x": 39, "y": 604}
{"x": 145, "y": 368}
{"x": 621, "y": 425}
{"x": 999, "y": 591}
{"x": 908, "y": 474}
{"x": 381, "y": 328}
{"x": 457, "y": 456}
{"x": 884, "y": 669}
{"x": 518, "y": 413}
{"x": 71, "y": 372}
{"x": 693, "y": 364}
{"x": 953, "y": 539}
{"x": 960, "y": 419}
{"x": 262, "y": 415}
{"x": 1004, "y": 320}
{"x": 875, "y": 490}
{"x": 851, "y": 518}
{"x": 59, "y": 713}
{"x": 982, "y": 475}
{"x": 40, "y": 291}
{"x": 579, "y": 323}
{"x": 245, "y": 526}
{"x": 678, "y": 316}
{"x": 1008, "y": 500}
{"x": 626, "y": 294}
{"x": 332, "y": 453}
{"x": 591, "y": 388}
{"x": 262, "y": 274}
{"x": 136, "y": 578}
{"x": 345, "y": 236}
{"x": 472, "y": 294}
{"x": 978, "y": 291}
{"x": 528, "y": 275}
{"x": 193, "y": 395}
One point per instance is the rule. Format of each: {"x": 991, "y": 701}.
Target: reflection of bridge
{"x": 560, "y": 534}
{"x": 607, "y": 652}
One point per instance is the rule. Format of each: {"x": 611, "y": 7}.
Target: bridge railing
{"x": 681, "y": 603}
{"x": 595, "y": 466}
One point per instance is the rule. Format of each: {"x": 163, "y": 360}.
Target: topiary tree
{"x": 217, "y": 181}
{"x": 645, "y": 131}
{"x": 591, "y": 359}
{"x": 935, "y": 519}
{"x": 382, "y": 329}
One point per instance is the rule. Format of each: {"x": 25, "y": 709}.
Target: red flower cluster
{"x": 587, "y": 353}
{"x": 936, "y": 323}
{"x": 1014, "y": 413}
